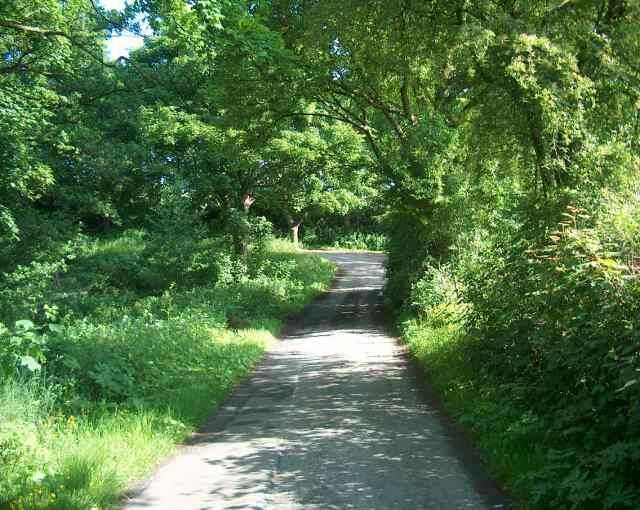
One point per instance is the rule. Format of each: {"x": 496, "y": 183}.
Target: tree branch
{"x": 28, "y": 28}
{"x": 322, "y": 115}
{"x": 18, "y": 65}
{"x": 100, "y": 14}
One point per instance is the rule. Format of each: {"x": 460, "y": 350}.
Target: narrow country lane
{"x": 333, "y": 418}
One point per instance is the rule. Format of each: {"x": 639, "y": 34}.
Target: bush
{"x": 133, "y": 372}
{"x": 42, "y": 236}
{"x": 23, "y": 350}
{"x": 541, "y": 360}
{"x": 436, "y": 297}
{"x": 174, "y": 241}
{"x": 29, "y": 291}
{"x": 409, "y": 256}
{"x": 361, "y": 241}
{"x": 346, "y": 238}
{"x": 561, "y": 327}
{"x": 115, "y": 262}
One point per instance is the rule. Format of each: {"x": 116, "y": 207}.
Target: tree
{"x": 320, "y": 169}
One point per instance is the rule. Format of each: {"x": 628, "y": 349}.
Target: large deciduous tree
{"x": 318, "y": 170}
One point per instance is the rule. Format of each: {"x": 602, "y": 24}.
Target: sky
{"x": 120, "y": 45}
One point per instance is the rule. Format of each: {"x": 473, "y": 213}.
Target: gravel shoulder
{"x": 334, "y": 417}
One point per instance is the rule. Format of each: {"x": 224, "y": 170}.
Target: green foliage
{"x": 127, "y": 375}
{"x": 23, "y": 408}
{"x": 569, "y": 324}
{"x": 129, "y": 193}
{"x": 315, "y": 172}
{"x": 408, "y": 254}
{"x": 549, "y": 341}
{"x": 39, "y": 39}
{"x": 176, "y": 237}
{"x": 248, "y": 233}
{"x": 360, "y": 241}
{"x": 23, "y": 350}
{"x": 436, "y": 298}
{"x": 27, "y": 289}
{"x": 347, "y": 240}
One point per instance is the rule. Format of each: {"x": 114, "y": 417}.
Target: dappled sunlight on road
{"x": 332, "y": 419}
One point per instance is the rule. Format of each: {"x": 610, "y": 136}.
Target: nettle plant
{"x": 582, "y": 292}
{"x": 23, "y": 348}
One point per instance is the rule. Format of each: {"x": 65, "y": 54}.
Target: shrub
{"x": 345, "y": 238}
{"x": 542, "y": 359}
{"x": 23, "y": 350}
{"x": 135, "y": 367}
{"x": 361, "y": 241}
{"x": 28, "y": 291}
{"x": 561, "y": 327}
{"x": 435, "y": 297}
{"x": 409, "y": 255}
{"x": 41, "y": 236}
{"x": 176, "y": 233}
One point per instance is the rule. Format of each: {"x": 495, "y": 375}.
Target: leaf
{"x": 55, "y": 328}
{"x": 628, "y": 384}
{"x": 612, "y": 264}
{"x": 24, "y": 325}
{"x": 30, "y": 363}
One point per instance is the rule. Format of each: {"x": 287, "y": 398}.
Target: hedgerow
{"x": 109, "y": 368}
{"x": 535, "y": 347}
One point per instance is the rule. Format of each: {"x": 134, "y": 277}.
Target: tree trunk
{"x": 240, "y": 239}
{"x": 295, "y": 227}
{"x": 247, "y": 201}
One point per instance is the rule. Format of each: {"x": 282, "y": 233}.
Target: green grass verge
{"x": 131, "y": 380}
{"x": 503, "y": 430}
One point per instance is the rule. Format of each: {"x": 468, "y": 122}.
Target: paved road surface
{"x": 333, "y": 418}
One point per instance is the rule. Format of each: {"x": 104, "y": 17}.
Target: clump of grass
{"x": 24, "y": 408}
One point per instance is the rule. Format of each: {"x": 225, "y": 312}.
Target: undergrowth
{"x": 367, "y": 239}
{"x": 533, "y": 345}
{"x": 109, "y": 362}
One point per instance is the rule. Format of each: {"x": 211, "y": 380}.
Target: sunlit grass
{"x": 127, "y": 383}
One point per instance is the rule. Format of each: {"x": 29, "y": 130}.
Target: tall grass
{"x": 503, "y": 430}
